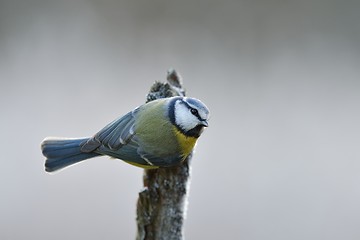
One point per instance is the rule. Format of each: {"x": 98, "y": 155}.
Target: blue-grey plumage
{"x": 62, "y": 152}
{"x": 161, "y": 133}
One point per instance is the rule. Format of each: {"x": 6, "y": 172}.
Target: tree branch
{"x": 162, "y": 203}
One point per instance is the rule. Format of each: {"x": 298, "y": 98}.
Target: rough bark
{"x": 162, "y": 203}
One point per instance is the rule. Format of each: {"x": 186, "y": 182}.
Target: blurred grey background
{"x": 280, "y": 159}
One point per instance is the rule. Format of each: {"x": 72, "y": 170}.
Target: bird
{"x": 157, "y": 134}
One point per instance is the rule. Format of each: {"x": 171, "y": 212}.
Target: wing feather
{"x": 114, "y": 135}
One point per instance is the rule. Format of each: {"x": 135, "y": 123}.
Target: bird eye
{"x": 194, "y": 111}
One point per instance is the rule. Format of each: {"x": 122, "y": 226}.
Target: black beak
{"x": 204, "y": 123}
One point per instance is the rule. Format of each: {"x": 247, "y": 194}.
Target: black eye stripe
{"x": 195, "y": 113}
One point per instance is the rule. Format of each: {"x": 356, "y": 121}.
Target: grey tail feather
{"x": 63, "y": 152}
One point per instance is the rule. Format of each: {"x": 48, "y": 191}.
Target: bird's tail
{"x": 63, "y": 152}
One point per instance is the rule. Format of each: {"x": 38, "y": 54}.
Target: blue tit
{"x": 161, "y": 133}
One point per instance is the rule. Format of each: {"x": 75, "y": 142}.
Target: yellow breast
{"x": 186, "y": 143}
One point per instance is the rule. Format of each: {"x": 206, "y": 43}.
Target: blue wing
{"x": 114, "y": 135}
{"x": 118, "y": 133}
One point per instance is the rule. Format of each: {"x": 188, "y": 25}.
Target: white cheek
{"x": 184, "y": 118}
